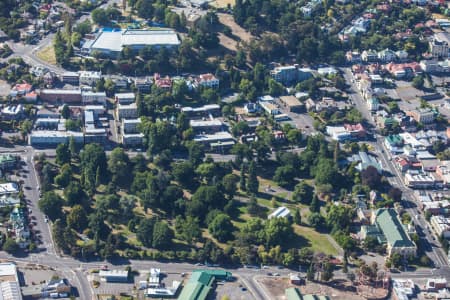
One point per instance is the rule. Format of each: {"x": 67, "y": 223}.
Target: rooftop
{"x": 387, "y": 220}
{"x": 116, "y": 40}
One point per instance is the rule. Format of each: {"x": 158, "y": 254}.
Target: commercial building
{"x": 295, "y": 294}
{"x": 9, "y": 282}
{"x": 203, "y": 111}
{"x": 443, "y": 171}
{"x": 60, "y": 96}
{"x": 435, "y": 284}
{"x": 70, "y": 78}
{"x": 290, "y": 74}
{"x": 420, "y": 180}
{"x": 439, "y": 47}
{"x": 221, "y": 141}
{"x": 394, "y": 143}
{"x": 9, "y": 188}
{"x": 132, "y": 139}
{"x": 403, "y": 288}
{"x": 422, "y": 115}
{"x": 280, "y": 212}
{"x": 114, "y": 275}
{"x": 201, "y": 283}
{"x": 97, "y": 110}
{"x": 128, "y": 111}
{"x": 387, "y": 228}
{"x": 12, "y": 112}
{"x": 111, "y": 43}
{"x": 89, "y": 98}
{"x": 365, "y": 160}
{"x": 440, "y": 225}
{"x": 124, "y": 98}
{"x": 89, "y": 78}
{"x": 292, "y": 104}
{"x": 207, "y": 126}
{"x": 53, "y": 138}
{"x": 8, "y": 161}
{"x": 131, "y": 125}
{"x": 270, "y": 108}
{"x": 47, "y": 123}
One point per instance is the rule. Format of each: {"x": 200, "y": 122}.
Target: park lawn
{"x": 47, "y": 54}
{"x": 317, "y": 241}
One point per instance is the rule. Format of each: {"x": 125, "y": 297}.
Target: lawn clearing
{"x": 317, "y": 241}
{"x": 223, "y": 3}
{"x": 47, "y": 54}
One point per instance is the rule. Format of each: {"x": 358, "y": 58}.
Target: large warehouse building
{"x": 112, "y": 42}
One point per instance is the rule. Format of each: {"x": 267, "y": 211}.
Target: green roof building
{"x": 295, "y": 294}
{"x": 387, "y": 228}
{"x": 7, "y": 161}
{"x": 201, "y": 283}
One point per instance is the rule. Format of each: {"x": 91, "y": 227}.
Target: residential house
{"x": 388, "y": 229}
{"x": 208, "y": 80}
{"x": 386, "y": 55}
{"x": 401, "y": 55}
{"x": 353, "y": 57}
{"x": 21, "y": 89}
{"x": 162, "y": 83}
{"x": 369, "y": 56}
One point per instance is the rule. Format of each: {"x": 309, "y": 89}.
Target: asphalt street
{"x": 432, "y": 247}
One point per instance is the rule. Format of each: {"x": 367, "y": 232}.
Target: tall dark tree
{"x": 252, "y": 181}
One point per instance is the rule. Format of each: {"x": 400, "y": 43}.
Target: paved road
{"x": 432, "y": 247}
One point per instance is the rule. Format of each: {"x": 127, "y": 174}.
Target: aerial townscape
{"x": 225, "y": 149}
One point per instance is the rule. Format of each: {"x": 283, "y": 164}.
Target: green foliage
{"x": 221, "y": 228}
{"x": 51, "y": 205}
{"x": 62, "y": 154}
{"x": 252, "y": 181}
{"x": 10, "y": 246}
{"x": 77, "y": 218}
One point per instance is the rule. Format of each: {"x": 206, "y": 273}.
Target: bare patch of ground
{"x": 337, "y": 290}
{"x": 239, "y": 33}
